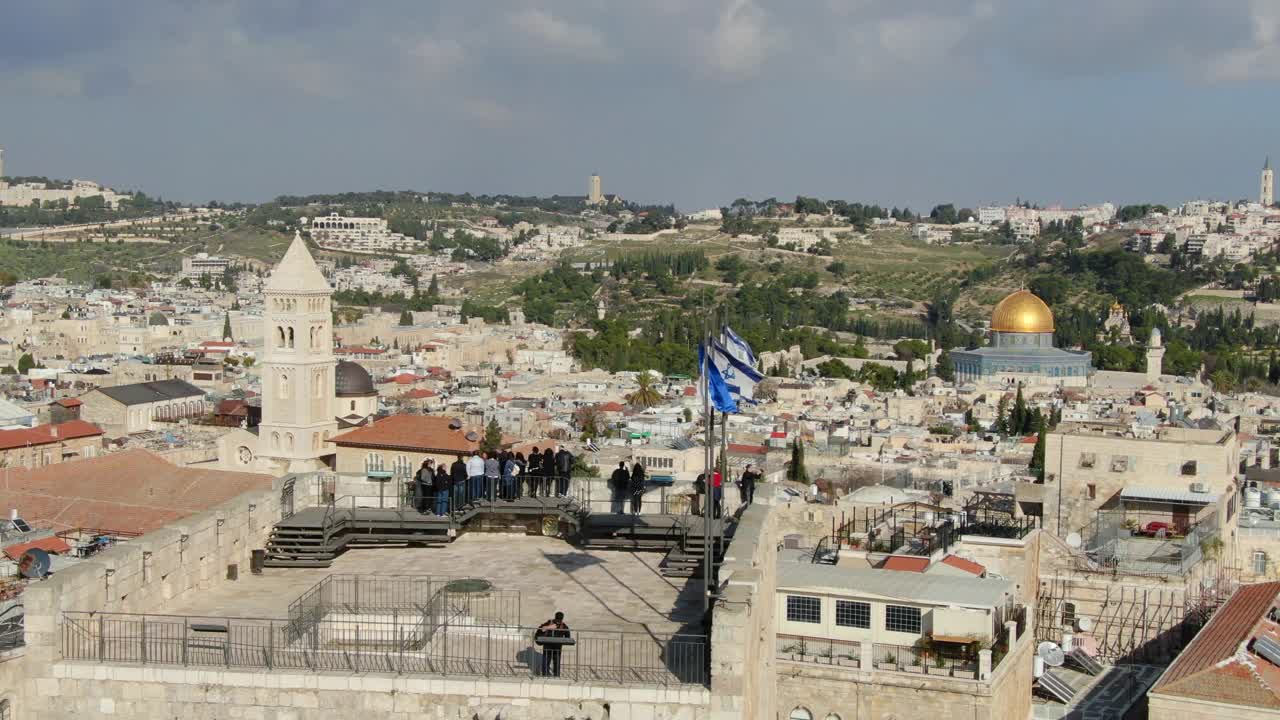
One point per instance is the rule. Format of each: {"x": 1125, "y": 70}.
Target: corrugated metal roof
{"x": 155, "y": 391}
{"x": 1169, "y": 495}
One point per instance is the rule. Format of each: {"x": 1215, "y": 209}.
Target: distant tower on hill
{"x": 594, "y": 195}
{"x": 2, "y": 163}
{"x": 1155, "y": 356}
{"x": 1268, "y": 194}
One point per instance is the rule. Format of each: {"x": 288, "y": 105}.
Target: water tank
{"x": 1272, "y": 499}
{"x": 1252, "y": 498}
{"x": 1037, "y": 666}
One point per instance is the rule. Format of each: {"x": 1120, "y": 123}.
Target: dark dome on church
{"x": 351, "y": 380}
{"x": 157, "y": 319}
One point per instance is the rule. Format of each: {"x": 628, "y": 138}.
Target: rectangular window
{"x": 1189, "y": 468}
{"x": 1259, "y": 563}
{"x": 1119, "y": 463}
{"x": 804, "y": 609}
{"x": 899, "y": 618}
{"x": 853, "y": 614}
{"x": 1092, "y": 491}
{"x": 1087, "y": 460}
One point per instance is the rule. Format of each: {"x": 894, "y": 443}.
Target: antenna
{"x": 34, "y": 564}
{"x": 1051, "y": 654}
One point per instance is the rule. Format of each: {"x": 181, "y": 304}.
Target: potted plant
{"x": 800, "y": 651}
{"x": 890, "y": 662}
{"x": 848, "y": 659}
{"x": 1130, "y": 526}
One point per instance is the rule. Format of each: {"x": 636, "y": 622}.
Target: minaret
{"x": 2, "y": 162}
{"x": 1268, "y": 194}
{"x": 1155, "y": 356}
{"x": 298, "y": 364}
{"x": 594, "y": 194}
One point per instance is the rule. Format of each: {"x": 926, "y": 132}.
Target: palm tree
{"x": 645, "y": 395}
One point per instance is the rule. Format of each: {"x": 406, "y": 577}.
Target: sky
{"x": 690, "y": 102}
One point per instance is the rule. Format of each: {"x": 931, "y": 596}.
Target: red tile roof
{"x": 905, "y": 564}
{"x": 1217, "y": 666}
{"x": 738, "y": 449}
{"x": 47, "y": 434}
{"x": 611, "y": 407}
{"x": 69, "y": 402}
{"x": 420, "y": 433}
{"x": 130, "y": 491}
{"x": 690, "y": 391}
{"x": 403, "y": 379}
{"x": 419, "y": 394}
{"x": 232, "y": 407}
{"x": 968, "y": 566}
{"x": 54, "y": 545}
{"x": 778, "y": 435}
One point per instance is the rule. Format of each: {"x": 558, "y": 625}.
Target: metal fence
{"x": 397, "y": 644}
{"x": 897, "y": 658}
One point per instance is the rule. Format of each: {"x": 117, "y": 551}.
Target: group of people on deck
{"x": 488, "y": 476}
{"x": 624, "y": 484}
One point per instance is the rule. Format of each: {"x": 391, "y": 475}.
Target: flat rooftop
{"x": 596, "y": 589}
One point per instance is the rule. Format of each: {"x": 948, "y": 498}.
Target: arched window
{"x": 832, "y": 716}
{"x": 275, "y": 441}
{"x": 315, "y": 337}
{"x": 317, "y": 383}
{"x": 288, "y": 441}
{"x": 290, "y": 338}
{"x": 284, "y": 386}
{"x": 315, "y": 441}
{"x": 353, "y": 406}
{"x": 279, "y": 336}
{"x": 800, "y": 714}
{"x": 373, "y": 462}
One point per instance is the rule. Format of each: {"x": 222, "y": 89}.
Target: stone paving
{"x": 596, "y": 589}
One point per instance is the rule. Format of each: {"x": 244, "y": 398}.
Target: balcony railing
{"x": 400, "y": 644}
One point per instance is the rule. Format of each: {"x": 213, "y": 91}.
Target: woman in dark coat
{"x": 549, "y": 471}
{"x": 637, "y": 487}
{"x": 533, "y": 473}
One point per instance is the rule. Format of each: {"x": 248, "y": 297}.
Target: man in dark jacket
{"x": 553, "y": 629}
{"x": 749, "y": 478}
{"x": 618, "y": 483}
{"x": 564, "y": 469}
{"x": 533, "y": 472}
{"x": 458, "y": 477}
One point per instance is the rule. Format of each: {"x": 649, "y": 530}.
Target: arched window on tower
{"x": 279, "y": 336}
{"x": 315, "y": 334}
{"x": 318, "y": 384}
{"x": 284, "y": 386}
{"x": 275, "y": 441}
{"x": 290, "y": 338}
{"x": 288, "y": 441}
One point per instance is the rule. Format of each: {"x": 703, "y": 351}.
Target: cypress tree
{"x": 226, "y": 326}
{"x": 796, "y": 471}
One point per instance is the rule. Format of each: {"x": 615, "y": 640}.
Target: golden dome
{"x": 1022, "y": 312}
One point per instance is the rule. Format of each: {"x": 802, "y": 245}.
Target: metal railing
{"x": 961, "y": 665}
{"x": 401, "y": 644}
{"x": 456, "y": 599}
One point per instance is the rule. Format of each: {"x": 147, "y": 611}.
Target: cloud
{"x": 436, "y": 54}
{"x": 556, "y": 35}
{"x": 488, "y": 112}
{"x": 741, "y": 39}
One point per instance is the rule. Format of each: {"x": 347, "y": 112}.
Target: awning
{"x": 1166, "y": 495}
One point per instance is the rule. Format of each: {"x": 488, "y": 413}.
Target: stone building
{"x": 400, "y": 443}
{"x": 45, "y": 445}
{"x": 140, "y": 407}
{"x": 1231, "y": 670}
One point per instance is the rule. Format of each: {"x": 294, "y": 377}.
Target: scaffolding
{"x": 1126, "y": 620}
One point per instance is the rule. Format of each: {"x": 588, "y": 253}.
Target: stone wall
{"x": 1167, "y": 707}
{"x": 141, "y": 576}
{"x": 853, "y": 694}
{"x": 1015, "y": 560}
{"x": 76, "y": 691}
{"x": 743, "y": 631}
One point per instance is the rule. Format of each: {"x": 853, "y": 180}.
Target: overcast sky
{"x": 693, "y": 102}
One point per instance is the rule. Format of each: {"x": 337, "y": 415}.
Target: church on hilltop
{"x": 1022, "y": 350}
{"x": 306, "y": 394}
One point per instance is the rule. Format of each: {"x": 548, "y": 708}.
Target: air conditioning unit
{"x": 1199, "y": 488}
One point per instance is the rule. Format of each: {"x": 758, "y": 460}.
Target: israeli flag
{"x": 737, "y": 346}
{"x": 721, "y": 395}
{"x": 736, "y": 362}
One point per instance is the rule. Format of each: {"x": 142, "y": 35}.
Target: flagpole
{"x": 709, "y": 449}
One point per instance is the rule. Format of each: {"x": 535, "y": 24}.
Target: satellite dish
{"x": 455, "y": 424}
{"x": 473, "y": 436}
{"x": 34, "y": 564}
{"x": 1050, "y": 653}
{"x": 1074, "y": 540}
{"x": 1084, "y": 624}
